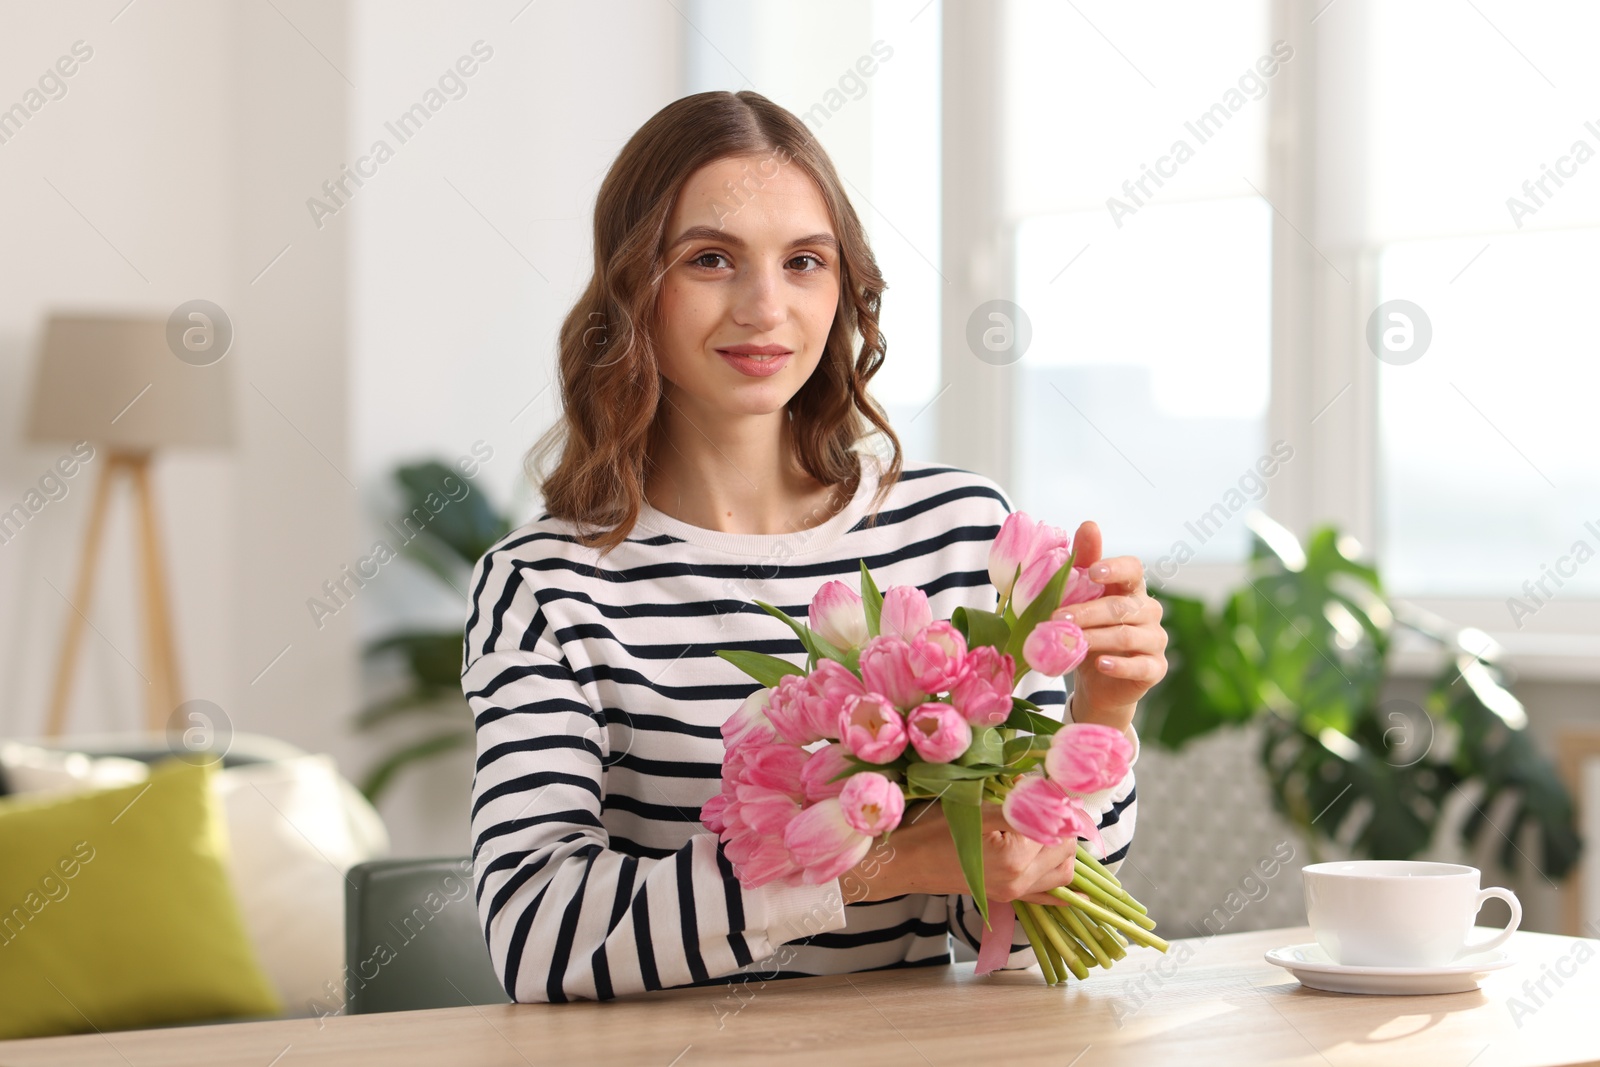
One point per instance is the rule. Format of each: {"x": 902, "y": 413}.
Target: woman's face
{"x": 752, "y": 260}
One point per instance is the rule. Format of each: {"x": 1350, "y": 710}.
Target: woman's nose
{"x": 759, "y": 305}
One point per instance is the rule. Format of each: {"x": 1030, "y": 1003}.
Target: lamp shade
{"x": 115, "y": 380}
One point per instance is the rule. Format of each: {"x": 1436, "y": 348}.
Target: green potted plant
{"x": 448, "y": 545}
{"x": 1302, "y": 648}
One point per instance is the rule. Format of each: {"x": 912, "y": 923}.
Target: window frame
{"x": 1323, "y": 395}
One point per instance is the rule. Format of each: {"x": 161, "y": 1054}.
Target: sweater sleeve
{"x": 1114, "y": 810}
{"x": 564, "y": 915}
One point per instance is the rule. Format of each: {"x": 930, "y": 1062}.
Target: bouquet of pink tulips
{"x": 895, "y": 706}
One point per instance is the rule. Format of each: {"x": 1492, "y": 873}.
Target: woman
{"x": 713, "y": 379}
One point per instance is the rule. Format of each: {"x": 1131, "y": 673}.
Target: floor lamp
{"x": 117, "y": 382}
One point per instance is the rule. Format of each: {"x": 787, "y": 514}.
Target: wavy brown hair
{"x": 610, "y": 426}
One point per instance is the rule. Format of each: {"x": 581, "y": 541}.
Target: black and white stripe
{"x": 598, "y": 701}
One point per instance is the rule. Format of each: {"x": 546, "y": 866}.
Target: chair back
{"x": 412, "y": 938}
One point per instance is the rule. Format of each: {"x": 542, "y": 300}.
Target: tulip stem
{"x": 1058, "y": 916}
{"x": 1092, "y": 871}
{"x": 1079, "y": 930}
{"x": 1087, "y": 857}
{"x": 1051, "y": 931}
{"x": 1110, "y": 918}
{"x": 1085, "y": 884}
{"x": 1107, "y": 939}
{"x": 1060, "y": 965}
{"x": 1039, "y": 951}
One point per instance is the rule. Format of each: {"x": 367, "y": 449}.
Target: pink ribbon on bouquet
{"x": 995, "y": 946}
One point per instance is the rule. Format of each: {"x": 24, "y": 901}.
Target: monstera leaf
{"x": 1302, "y": 647}
{"x": 457, "y": 523}
{"x": 451, "y": 524}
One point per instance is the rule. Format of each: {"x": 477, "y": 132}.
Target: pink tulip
{"x": 872, "y": 804}
{"x": 825, "y": 763}
{"x": 905, "y": 612}
{"x": 788, "y": 713}
{"x": 1036, "y": 574}
{"x": 827, "y": 687}
{"x": 838, "y": 616}
{"x": 761, "y": 810}
{"x": 823, "y": 842}
{"x": 1051, "y": 537}
{"x": 1041, "y": 810}
{"x": 936, "y": 656}
{"x": 1055, "y": 647}
{"x": 1077, "y": 588}
{"x": 938, "y": 732}
{"x": 982, "y": 691}
{"x": 1086, "y": 757}
{"x": 872, "y": 729}
{"x": 749, "y": 724}
{"x": 886, "y": 668}
{"x": 776, "y": 766}
{"x": 711, "y": 813}
{"x": 733, "y": 760}
{"x": 760, "y": 860}
{"x": 1080, "y": 588}
{"x": 1083, "y": 825}
{"x": 1011, "y": 549}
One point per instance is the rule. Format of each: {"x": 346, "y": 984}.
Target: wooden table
{"x": 1212, "y": 1000}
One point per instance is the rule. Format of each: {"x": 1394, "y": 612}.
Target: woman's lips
{"x": 755, "y": 366}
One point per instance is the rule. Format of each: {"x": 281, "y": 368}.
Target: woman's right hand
{"x": 920, "y": 857}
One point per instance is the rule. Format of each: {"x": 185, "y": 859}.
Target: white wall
{"x": 404, "y": 326}
{"x": 184, "y": 145}
{"x": 469, "y": 246}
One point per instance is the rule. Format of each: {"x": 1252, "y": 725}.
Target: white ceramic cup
{"x": 1399, "y": 913}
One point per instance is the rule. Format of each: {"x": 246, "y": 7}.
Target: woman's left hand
{"x": 1123, "y": 630}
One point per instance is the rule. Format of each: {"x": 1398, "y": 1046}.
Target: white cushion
{"x": 30, "y": 769}
{"x": 295, "y": 826}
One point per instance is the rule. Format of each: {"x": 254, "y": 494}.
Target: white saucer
{"x": 1311, "y": 965}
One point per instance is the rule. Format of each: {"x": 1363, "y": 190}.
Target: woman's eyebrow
{"x": 710, "y": 233}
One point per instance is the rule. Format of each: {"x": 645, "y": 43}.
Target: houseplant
{"x": 1302, "y": 648}
{"x": 447, "y": 545}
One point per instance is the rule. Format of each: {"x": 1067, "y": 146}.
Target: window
{"x": 1485, "y": 485}
{"x": 1199, "y": 210}
{"x": 1483, "y": 210}
{"x": 1142, "y": 398}
{"x": 1142, "y": 263}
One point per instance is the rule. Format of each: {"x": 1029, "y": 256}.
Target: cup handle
{"x": 1498, "y": 939}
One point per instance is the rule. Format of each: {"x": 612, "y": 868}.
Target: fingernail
{"x": 1064, "y": 616}
{"x": 1099, "y": 570}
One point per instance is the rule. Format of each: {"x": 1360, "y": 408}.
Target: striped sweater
{"x": 597, "y": 700}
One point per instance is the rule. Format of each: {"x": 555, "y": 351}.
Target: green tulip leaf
{"x": 979, "y": 627}
{"x": 962, "y": 803}
{"x": 1025, "y": 717}
{"x": 986, "y": 747}
{"x": 871, "y": 599}
{"x": 1019, "y": 749}
{"x": 1039, "y": 609}
{"x": 934, "y": 777}
{"x": 768, "y": 670}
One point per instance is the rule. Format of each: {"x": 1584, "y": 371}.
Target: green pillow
{"x": 116, "y": 910}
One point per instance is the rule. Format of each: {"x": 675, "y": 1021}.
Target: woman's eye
{"x": 716, "y": 260}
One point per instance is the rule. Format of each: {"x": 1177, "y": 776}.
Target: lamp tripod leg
{"x": 72, "y": 640}
{"x": 163, "y": 693}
